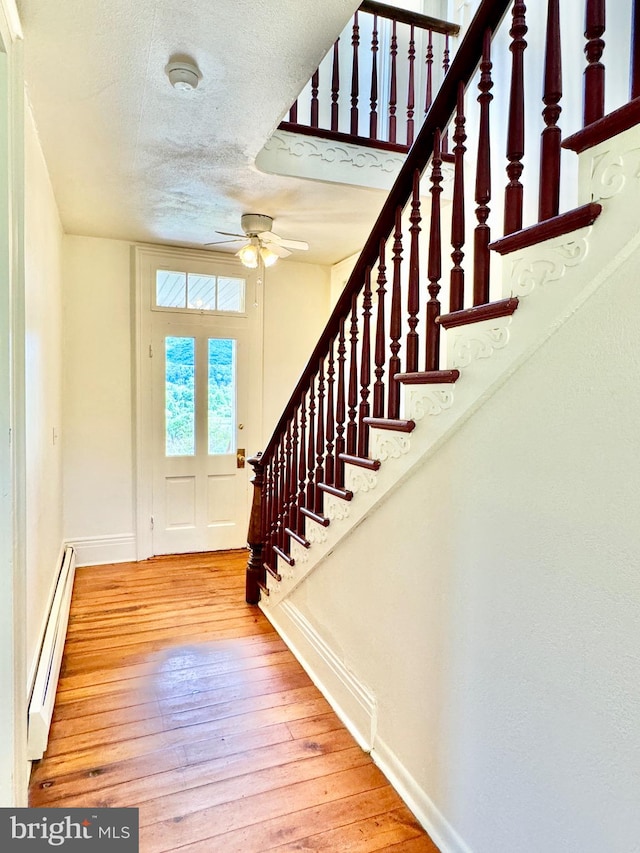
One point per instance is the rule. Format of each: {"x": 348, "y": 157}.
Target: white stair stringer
{"x": 552, "y": 280}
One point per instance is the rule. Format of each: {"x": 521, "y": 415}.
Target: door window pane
{"x": 202, "y": 292}
{"x": 180, "y": 383}
{"x": 230, "y": 294}
{"x": 171, "y": 289}
{"x": 222, "y": 395}
{"x": 194, "y": 292}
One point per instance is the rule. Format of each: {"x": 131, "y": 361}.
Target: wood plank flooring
{"x": 178, "y": 698}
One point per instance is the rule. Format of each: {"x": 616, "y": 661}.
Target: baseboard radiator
{"x": 46, "y": 680}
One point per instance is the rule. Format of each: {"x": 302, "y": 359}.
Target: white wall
{"x": 492, "y": 604}
{"x": 98, "y": 427}
{"x": 296, "y": 309}
{"x": 43, "y": 389}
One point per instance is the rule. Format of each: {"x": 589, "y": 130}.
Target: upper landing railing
{"x": 376, "y": 84}
{"x": 503, "y": 104}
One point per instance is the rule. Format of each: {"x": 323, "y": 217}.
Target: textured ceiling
{"x": 132, "y": 158}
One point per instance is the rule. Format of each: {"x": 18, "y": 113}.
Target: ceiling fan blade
{"x": 232, "y": 234}
{"x": 270, "y": 237}
{"x": 222, "y": 242}
{"x": 280, "y": 251}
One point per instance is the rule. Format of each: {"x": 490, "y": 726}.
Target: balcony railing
{"x": 376, "y": 84}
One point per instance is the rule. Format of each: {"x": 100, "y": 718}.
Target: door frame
{"x": 145, "y": 257}
{"x": 14, "y": 765}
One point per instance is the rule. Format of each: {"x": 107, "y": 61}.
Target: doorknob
{"x": 240, "y": 457}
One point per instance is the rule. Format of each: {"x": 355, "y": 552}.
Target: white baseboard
{"x": 440, "y": 830}
{"x": 356, "y": 707}
{"x": 350, "y": 699}
{"x": 99, "y": 550}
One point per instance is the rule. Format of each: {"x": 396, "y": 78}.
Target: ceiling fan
{"x": 262, "y": 244}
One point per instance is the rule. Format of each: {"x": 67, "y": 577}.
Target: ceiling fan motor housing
{"x": 255, "y": 223}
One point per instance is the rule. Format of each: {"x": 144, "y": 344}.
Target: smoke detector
{"x": 183, "y": 74}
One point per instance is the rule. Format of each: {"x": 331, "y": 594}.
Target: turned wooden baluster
{"x": 635, "y": 50}
{"x": 513, "y": 196}
{"x": 594, "y": 72}
{"x": 355, "y": 83}
{"x": 365, "y": 366}
{"x": 340, "y": 405}
{"x": 435, "y": 259}
{"x": 293, "y": 113}
{"x": 380, "y": 348}
{"x": 393, "y": 95}
{"x": 311, "y": 487}
{"x": 266, "y": 506}
{"x": 335, "y": 86}
{"x": 550, "y": 149}
{"x": 413, "y": 298}
{"x": 293, "y": 476}
{"x": 329, "y": 465}
{"x": 302, "y": 464}
{"x": 273, "y": 508}
{"x": 373, "y": 115}
{"x": 456, "y": 298}
{"x": 429, "y": 75}
{"x": 284, "y": 489}
{"x": 352, "y": 400}
{"x": 395, "y": 321}
{"x": 287, "y": 491}
{"x": 319, "y": 475}
{"x": 315, "y": 84}
{"x": 445, "y": 67}
{"x": 482, "y": 236}
{"x": 411, "y": 87}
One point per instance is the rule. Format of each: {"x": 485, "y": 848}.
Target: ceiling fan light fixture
{"x": 249, "y": 254}
{"x": 268, "y": 257}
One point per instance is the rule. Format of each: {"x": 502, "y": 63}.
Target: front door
{"x": 200, "y": 407}
{"x": 201, "y": 371}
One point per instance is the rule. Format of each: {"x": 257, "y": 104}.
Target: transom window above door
{"x": 185, "y": 291}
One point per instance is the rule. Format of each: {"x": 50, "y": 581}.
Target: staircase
{"x": 389, "y": 357}
{"x": 438, "y": 318}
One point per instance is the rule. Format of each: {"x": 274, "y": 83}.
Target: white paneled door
{"x": 200, "y": 408}
{"x": 198, "y": 369}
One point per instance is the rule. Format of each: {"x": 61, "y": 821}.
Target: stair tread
{"x": 283, "y": 554}
{"x": 489, "y": 311}
{"x": 615, "y": 122}
{"x": 360, "y": 461}
{"x": 298, "y": 537}
{"x": 336, "y": 491}
{"x": 429, "y": 377}
{"x": 556, "y": 226}
{"x": 272, "y": 571}
{"x": 315, "y": 516}
{"x": 397, "y": 424}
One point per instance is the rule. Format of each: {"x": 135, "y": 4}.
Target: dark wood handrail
{"x": 487, "y": 18}
{"x": 404, "y": 16}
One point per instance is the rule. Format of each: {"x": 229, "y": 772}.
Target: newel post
{"x": 255, "y": 538}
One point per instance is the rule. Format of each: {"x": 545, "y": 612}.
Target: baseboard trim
{"x": 442, "y": 833}
{"x": 348, "y": 697}
{"x": 100, "y": 550}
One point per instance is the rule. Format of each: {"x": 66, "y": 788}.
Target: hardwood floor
{"x": 178, "y": 698}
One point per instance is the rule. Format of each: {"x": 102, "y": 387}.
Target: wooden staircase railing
{"x": 392, "y": 72}
{"x": 385, "y": 328}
